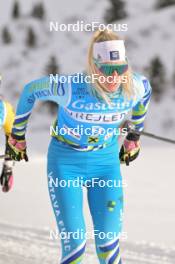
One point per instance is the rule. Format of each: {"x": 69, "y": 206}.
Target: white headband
{"x": 112, "y": 50}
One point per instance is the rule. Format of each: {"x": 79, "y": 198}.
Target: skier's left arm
{"x": 131, "y": 146}
{"x": 139, "y": 110}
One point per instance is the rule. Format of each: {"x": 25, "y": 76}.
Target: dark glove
{"x": 6, "y": 178}
{"x": 130, "y": 148}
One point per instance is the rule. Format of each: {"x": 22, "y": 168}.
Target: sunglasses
{"x": 109, "y": 69}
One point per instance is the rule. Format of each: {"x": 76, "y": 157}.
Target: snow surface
{"x": 20, "y": 245}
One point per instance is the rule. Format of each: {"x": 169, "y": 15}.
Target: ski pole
{"x": 147, "y": 134}
{"x": 3, "y": 156}
{"x": 130, "y": 127}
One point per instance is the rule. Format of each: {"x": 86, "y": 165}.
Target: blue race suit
{"x": 88, "y": 159}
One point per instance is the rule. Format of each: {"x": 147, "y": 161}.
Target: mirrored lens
{"x": 108, "y": 69}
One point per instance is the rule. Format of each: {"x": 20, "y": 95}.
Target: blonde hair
{"x": 127, "y": 87}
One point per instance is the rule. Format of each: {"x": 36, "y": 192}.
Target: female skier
{"x": 91, "y": 157}
{"x": 6, "y": 121}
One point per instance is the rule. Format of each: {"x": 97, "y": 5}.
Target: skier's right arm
{"x": 44, "y": 90}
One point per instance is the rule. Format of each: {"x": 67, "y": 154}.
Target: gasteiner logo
{"x": 81, "y": 104}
